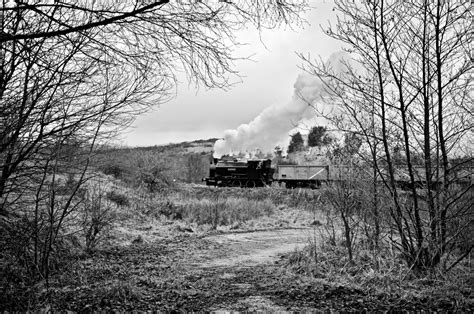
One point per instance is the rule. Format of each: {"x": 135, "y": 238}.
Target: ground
{"x": 156, "y": 262}
{"x": 219, "y": 272}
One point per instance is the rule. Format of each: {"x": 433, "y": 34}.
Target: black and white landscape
{"x": 184, "y": 155}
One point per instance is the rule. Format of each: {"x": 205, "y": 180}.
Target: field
{"x": 168, "y": 242}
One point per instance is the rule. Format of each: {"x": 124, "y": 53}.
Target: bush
{"x": 115, "y": 170}
{"x": 118, "y": 291}
{"x": 97, "y": 217}
{"x": 117, "y": 198}
{"x": 153, "y": 167}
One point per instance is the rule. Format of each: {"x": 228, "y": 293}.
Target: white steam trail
{"x": 272, "y": 126}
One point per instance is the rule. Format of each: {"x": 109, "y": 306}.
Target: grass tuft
{"x": 121, "y": 291}
{"x": 118, "y": 198}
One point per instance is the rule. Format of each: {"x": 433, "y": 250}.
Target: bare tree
{"x": 74, "y": 73}
{"x": 345, "y": 196}
{"x": 68, "y": 68}
{"x": 405, "y": 88}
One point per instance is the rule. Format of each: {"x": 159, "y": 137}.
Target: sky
{"x": 266, "y": 81}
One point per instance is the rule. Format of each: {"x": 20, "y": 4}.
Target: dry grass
{"x": 199, "y": 209}
{"x": 200, "y": 205}
{"x": 124, "y": 291}
{"x": 147, "y": 216}
{"x": 383, "y": 274}
{"x": 225, "y": 212}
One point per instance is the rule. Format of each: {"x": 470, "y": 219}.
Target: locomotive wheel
{"x": 250, "y": 184}
{"x": 236, "y": 183}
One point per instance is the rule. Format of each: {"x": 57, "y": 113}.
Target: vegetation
{"x": 86, "y": 227}
{"x": 404, "y": 92}
{"x": 157, "y": 166}
{"x": 296, "y": 143}
{"x": 318, "y": 137}
{"x": 109, "y": 204}
{"x": 72, "y": 76}
{"x": 153, "y": 264}
{"x": 128, "y": 230}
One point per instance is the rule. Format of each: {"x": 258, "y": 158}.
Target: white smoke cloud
{"x": 272, "y": 126}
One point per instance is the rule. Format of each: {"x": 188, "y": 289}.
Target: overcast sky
{"x": 268, "y": 80}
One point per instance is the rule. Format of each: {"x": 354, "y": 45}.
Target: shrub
{"x": 97, "y": 217}
{"x": 118, "y": 198}
{"x": 115, "y": 170}
{"x": 119, "y": 291}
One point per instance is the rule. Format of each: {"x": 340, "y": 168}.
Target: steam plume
{"x": 272, "y": 126}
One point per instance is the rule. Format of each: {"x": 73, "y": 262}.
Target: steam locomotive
{"x": 233, "y": 172}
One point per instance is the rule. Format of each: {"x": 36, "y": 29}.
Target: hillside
{"x": 156, "y": 165}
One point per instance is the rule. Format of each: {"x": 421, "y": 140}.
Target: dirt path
{"x": 221, "y": 272}
{"x": 259, "y": 247}
{"x": 248, "y": 256}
